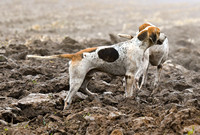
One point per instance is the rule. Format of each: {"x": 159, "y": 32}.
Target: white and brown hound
{"x": 155, "y": 55}
{"x": 122, "y": 59}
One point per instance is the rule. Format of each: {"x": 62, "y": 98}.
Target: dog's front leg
{"x": 137, "y": 78}
{"x": 129, "y": 85}
{"x": 157, "y": 76}
{"x": 157, "y": 79}
{"x": 141, "y": 72}
{"x": 145, "y": 72}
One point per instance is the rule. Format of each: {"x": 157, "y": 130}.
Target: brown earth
{"x": 32, "y": 91}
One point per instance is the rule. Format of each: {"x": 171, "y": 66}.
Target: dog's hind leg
{"x": 74, "y": 87}
{"x": 77, "y": 76}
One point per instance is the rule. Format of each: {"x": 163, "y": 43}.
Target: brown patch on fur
{"x": 154, "y": 33}
{"x": 154, "y": 30}
{"x": 69, "y": 56}
{"x": 143, "y": 35}
{"x": 143, "y": 26}
{"x": 77, "y": 56}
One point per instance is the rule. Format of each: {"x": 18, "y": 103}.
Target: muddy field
{"x": 32, "y": 91}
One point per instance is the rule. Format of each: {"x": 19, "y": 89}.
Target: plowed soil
{"x": 32, "y": 91}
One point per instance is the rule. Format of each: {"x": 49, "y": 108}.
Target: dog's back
{"x": 116, "y": 58}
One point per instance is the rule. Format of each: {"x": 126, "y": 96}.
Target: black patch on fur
{"x": 159, "y": 66}
{"x": 108, "y": 54}
{"x": 142, "y": 36}
{"x": 159, "y": 42}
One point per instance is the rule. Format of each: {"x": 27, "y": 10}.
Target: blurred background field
{"x": 91, "y": 18}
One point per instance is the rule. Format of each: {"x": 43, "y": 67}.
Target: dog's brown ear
{"x": 143, "y": 26}
{"x": 154, "y": 33}
{"x": 143, "y": 35}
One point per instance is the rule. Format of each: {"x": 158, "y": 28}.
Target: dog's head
{"x": 149, "y": 33}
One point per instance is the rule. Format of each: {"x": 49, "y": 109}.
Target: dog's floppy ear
{"x": 154, "y": 34}
{"x": 143, "y": 26}
{"x": 143, "y": 35}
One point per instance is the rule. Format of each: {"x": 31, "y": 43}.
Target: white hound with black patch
{"x": 123, "y": 59}
{"x": 155, "y": 55}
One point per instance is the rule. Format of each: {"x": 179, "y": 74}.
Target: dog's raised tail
{"x": 69, "y": 56}
{"x": 125, "y": 36}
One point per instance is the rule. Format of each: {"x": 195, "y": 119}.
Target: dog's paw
{"x": 66, "y": 106}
